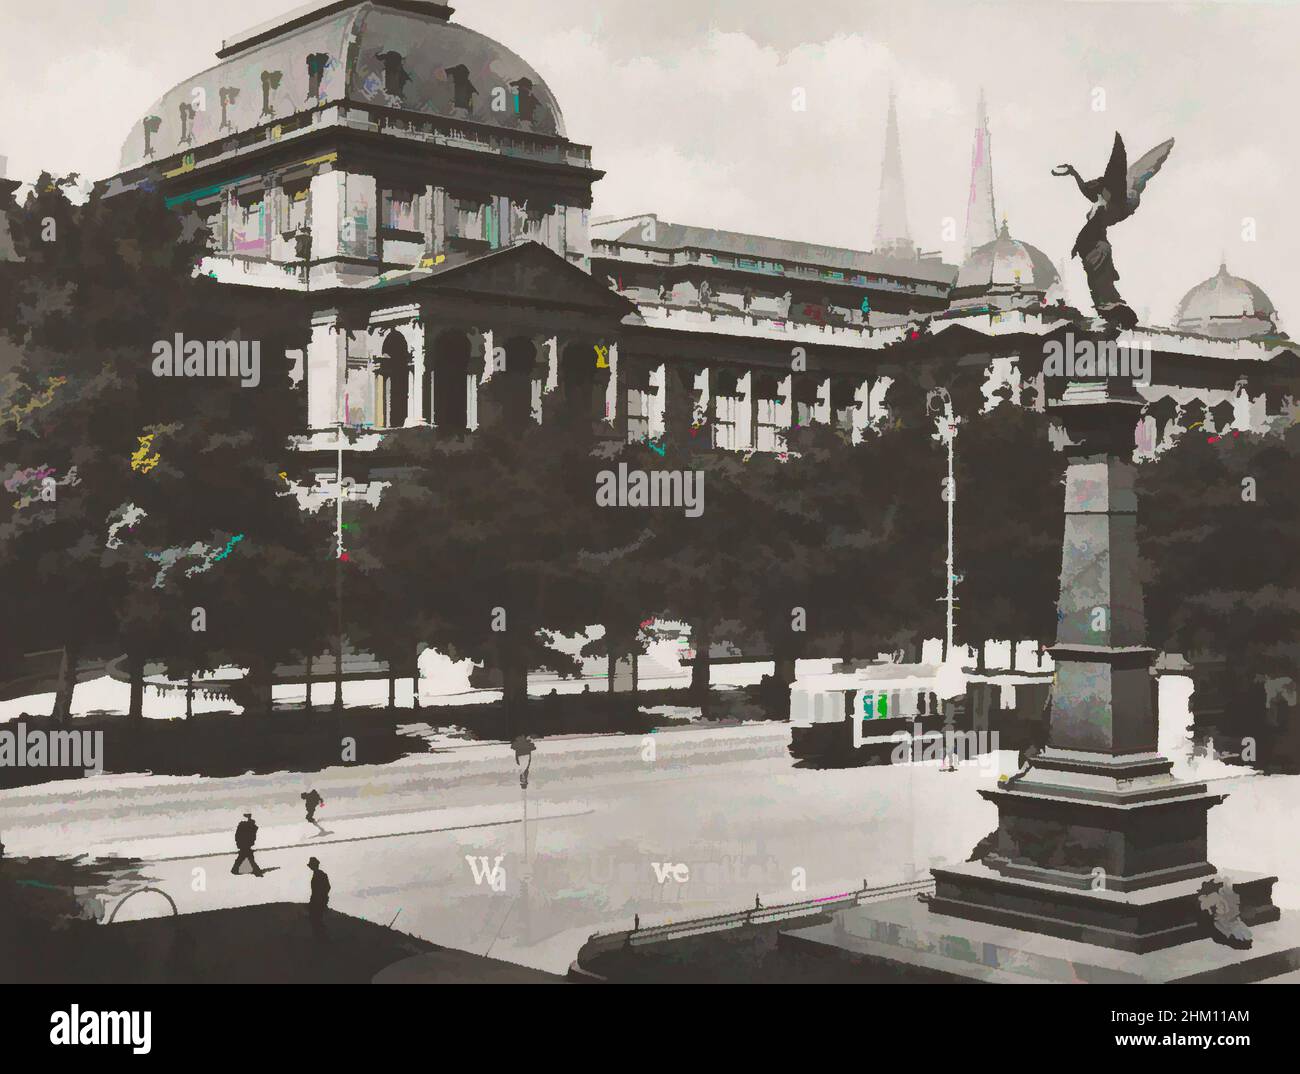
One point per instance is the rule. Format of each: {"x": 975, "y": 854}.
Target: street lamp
{"x": 339, "y": 494}
{"x": 525, "y": 747}
{"x": 940, "y": 401}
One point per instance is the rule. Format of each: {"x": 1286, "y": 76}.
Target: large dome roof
{"x": 1226, "y": 306}
{"x": 1006, "y": 263}
{"x": 338, "y": 52}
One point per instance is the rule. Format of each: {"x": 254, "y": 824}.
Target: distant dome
{"x": 400, "y": 54}
{"x": 1226, "y": 306}
{"x": 1006, "y": 272}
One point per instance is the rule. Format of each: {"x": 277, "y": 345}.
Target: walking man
{"x": 320, "y": 897}
{"x": 245, "y": 837}
{"x": 313, "y": 802}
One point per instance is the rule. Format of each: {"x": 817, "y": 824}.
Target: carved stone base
{"x": 878, "y": 937}
{"x": 1138, "y": 921}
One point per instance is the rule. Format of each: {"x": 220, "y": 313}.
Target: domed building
{"x": 412, "y": 179}
{"x": 1226, "y": 307}
{"x": 1005, "y": 274}
{"x": 347, "y": 139}
{"x": 403, "y": 56}
{"x": 400, "y": 193}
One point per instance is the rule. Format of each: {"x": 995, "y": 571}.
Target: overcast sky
{"x": 687, "y": 104}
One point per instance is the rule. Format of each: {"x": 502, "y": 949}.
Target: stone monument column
{"x": 1097, "y": 841}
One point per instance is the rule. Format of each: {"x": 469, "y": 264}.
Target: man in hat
{"x": 245, "y": 837}
{"x": 320, "y": 896}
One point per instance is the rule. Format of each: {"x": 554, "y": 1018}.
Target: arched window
{"x": 393, "y": 382}
{"x": 512, "y": 386}
{"x": 447, "y": 393}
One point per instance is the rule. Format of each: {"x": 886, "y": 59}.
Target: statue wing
{"x": 1115, "y": 180}
{"x": 1145, "y": 167}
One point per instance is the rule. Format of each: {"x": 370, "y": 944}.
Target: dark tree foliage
{"x": 190, "y": 461}
{"x": 1009, "y": 524}
{"x": 1219, "y": 517}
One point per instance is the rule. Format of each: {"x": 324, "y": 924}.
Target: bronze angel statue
{"x": 1114, "y": 196}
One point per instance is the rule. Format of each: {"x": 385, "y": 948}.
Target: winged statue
{"x": 1115, "y": 196}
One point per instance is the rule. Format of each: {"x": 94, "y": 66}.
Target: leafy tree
{"x": 1218, "y": 531}
{"x": 187, "y": 460}
{"x": 1009, "y": 522}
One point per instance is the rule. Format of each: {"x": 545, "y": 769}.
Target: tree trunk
{"x": 514, "y": 692}
{"x": 1013, "y": 657}
{"x": 415, "y": 681}
{"x": 308, "y": 705}
{"x": 392, "y": 687}
{"x": 611, "y": 666}
{"x": 67, "y": 684}
{"x": 262, "y": 672}
{"x": 785, "y": 671}
{"x": 846, "y": 647}
{"x": 189, "y": 695}
{"x": 979, "y": 656}
{"x": 338, "y": 673}
{"x": 701, "y": 636}
{"x": 135, "y": 665}
{"x": 636, "y": 674}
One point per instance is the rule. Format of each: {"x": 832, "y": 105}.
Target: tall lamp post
{"x": 339, "y": 553}
{"x": 525, "y": 747}
{"x": 939, "y": 400}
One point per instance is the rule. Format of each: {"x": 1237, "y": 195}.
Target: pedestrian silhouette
{"x": 245, "y": 837}
{"x": 320, "y": 897}
{"x": 313, "y": 802}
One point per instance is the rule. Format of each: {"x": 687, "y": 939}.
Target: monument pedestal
{"x": 881, "y": 938}
{"x": 1141, "y": 921}
{"x": 1106, "y": 850}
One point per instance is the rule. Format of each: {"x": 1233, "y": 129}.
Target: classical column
{"x": 656, "y": 422}
{"x": 614, "y": 385}
{"x": 746, "y": 416}
{"x": 680, "y": 400}
{"x": 413, "y": 333}
{"x": 552, "y": 383}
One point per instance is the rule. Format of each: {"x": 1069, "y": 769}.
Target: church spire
{"x": 892, "y": 233}
{"x": 981, "y": 226}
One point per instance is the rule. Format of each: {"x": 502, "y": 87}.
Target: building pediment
{"x": 527, "y": 274}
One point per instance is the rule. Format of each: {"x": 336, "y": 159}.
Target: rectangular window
{"x": 638, "y": 416}
{"x": 402, "y": 210}
{"x": 725, "y": 430}
{"x": 213, "y": 212}
{"x": 470, "y": 219}
{"x": 250, "y": 224}
{"x": 293, "y": 207}
{"x": 767, "y": 429}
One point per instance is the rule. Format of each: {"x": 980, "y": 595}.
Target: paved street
{"x": 726, "y": 803}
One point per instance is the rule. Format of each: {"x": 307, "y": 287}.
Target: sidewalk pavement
{"x": 349, "y": 830}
